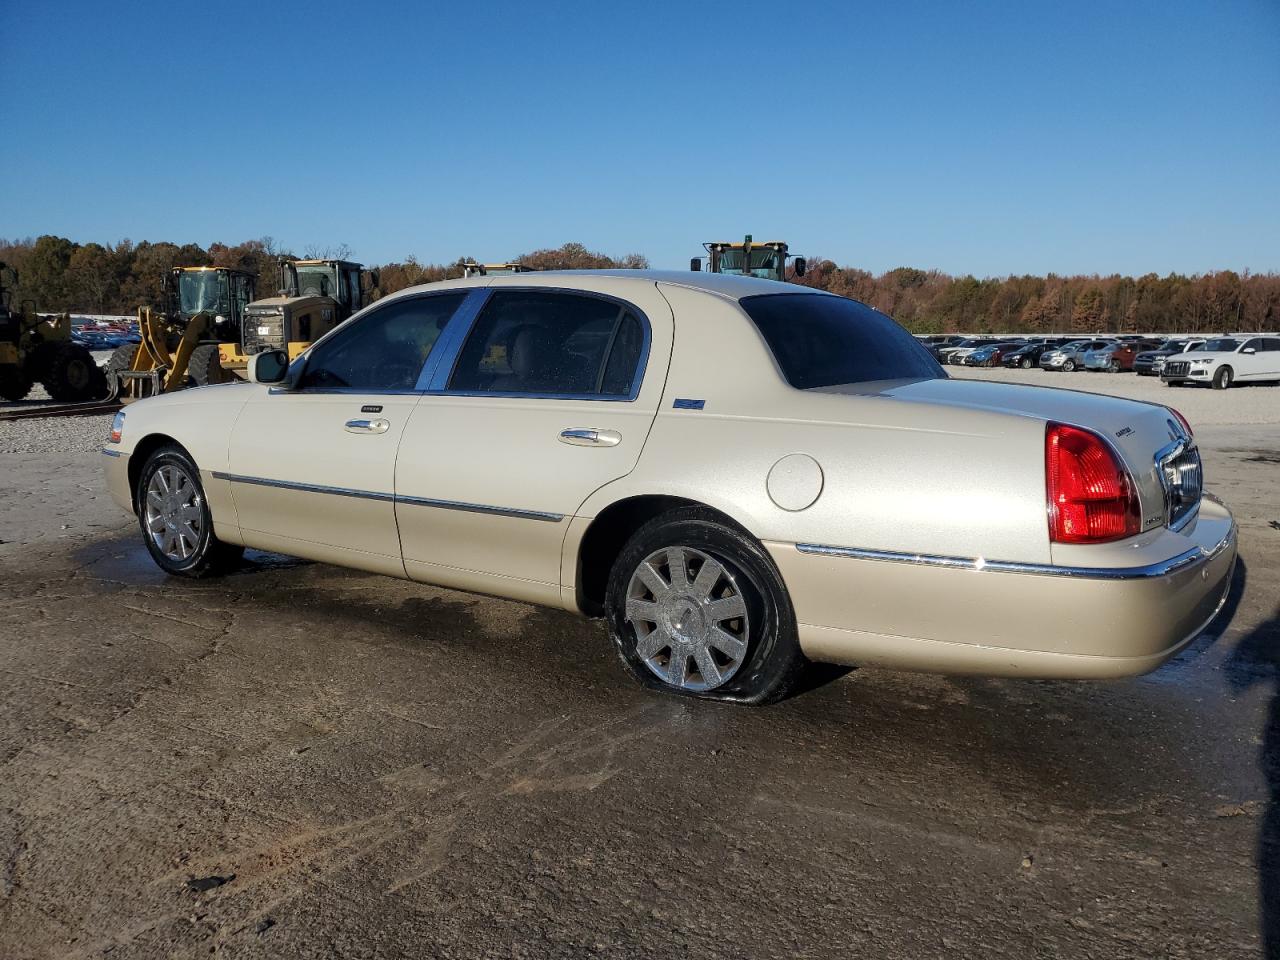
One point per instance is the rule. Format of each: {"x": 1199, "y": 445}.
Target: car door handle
{"x": 368, "y": 426}
{"x": 590, "y": 437}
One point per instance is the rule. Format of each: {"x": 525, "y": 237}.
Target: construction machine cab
{"x": 767, "y": 260}
{"x": 472, "y": 269}
{"x": 315, "y": 296}
{"x": 220, "y": 293}
{"x": 337, "y": 279}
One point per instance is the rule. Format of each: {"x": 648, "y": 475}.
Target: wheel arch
{"x": 609, "y": 531}
{"x": 142, "y": 452}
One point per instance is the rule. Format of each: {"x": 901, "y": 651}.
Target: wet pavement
{"x": 303, "y": 761}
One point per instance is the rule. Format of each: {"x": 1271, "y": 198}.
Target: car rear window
{"x": 821, "y": 340}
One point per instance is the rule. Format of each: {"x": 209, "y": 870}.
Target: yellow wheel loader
{"x": 747, "y": 259}
{"x": 315, "y": 296}
{"x": 205, "y": 307}
{"x": 39, "y": 349}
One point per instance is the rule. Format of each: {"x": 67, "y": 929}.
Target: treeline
{"x": 927, "y": 301}
{"x": 60, "y": 275}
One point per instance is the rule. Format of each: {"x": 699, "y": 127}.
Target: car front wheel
{"x": 1026, "y": 364}
{"x": 177, "y": 526}
{"x": 1222, "y": 378}
{"x": 1069, "y": 366}
{"x": 697, "y": 607}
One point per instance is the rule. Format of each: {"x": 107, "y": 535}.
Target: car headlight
{"x": 1205, "y": 360}
{"x": 117, "y": 428}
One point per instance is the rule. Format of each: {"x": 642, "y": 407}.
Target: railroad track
{"x": 61, "y": 410}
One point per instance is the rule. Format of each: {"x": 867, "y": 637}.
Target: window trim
{"x": 438, "y": 379}
{"x": 374, "y": 309}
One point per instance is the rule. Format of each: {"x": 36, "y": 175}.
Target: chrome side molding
{"x": 1190, "y": 558}
{"x": 390, "y": 497}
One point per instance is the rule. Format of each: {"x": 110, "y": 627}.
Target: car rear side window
{"x": 551, "y": 344}
{"x": 820, "y": 340}
{"x": 384, "y": 350}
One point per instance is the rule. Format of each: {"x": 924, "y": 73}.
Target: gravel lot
{"x": 303, "y": 761}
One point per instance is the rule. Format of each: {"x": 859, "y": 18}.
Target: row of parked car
{"x": 104, "y": 338}
{"x": 1219, "y": 361}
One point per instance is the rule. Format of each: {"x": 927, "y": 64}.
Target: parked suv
{"x": 991, "y": 354}
{"x": 1118, "y": 356}
{"x": 1070, "y": 356}
{"x": 1224, "y": 360}
{"x": 1028, "y": 355}
{"x": 1150, "y": 362}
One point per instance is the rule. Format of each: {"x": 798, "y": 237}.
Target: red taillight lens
{"x": 1186, "y": 424}
{"x": 1091, "y": 498}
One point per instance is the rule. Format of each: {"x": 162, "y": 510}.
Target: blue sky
{"x": 988, "y": 138}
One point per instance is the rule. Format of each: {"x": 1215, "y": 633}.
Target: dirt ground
{"x": 303, "y": 761}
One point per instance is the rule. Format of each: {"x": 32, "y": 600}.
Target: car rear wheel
{"x": 177, "y": 526}
{"x": 1222, "y": 378}
{"x": 696, "y": 607}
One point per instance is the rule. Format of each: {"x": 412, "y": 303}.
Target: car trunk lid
{"x": 1147, "y": 436}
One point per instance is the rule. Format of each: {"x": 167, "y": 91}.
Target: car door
{"x": 1269, "y": 354}
{"x": 550, "y": 395}
{"x": 1251, "y": 366}
{"x": 312, "y": 465}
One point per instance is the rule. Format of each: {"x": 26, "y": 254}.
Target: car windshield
{"x": 1221, "y": 345}
{"x": 821, "y": 340}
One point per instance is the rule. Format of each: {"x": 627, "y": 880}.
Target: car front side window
{"x": 383, "y": 351}
{"x": 539, "y": 343}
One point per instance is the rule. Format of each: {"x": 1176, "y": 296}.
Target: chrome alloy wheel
{"x": 175, "y": 512}
{"x": 689, "y": 617}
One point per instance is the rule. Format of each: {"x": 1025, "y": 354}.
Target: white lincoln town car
{"x": 737, "y": 474}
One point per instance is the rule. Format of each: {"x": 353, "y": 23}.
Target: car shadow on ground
{"x": 1256, "y": 659}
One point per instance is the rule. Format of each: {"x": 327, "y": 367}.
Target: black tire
{"x": 1223, "y": 377}
{"x": 205, "y": 365}
{"x": 1069, "y": 366}
{"x": 208, "y": 555}
{"x": 121, "y": 359}
{"x": 1026, "y": 363}
{"x": 72, "y": 376}
{"x": 15, "y": 384}
{"x": 772, "y": 663}
{"x": 1114, "y": 367}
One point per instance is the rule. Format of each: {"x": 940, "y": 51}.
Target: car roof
{"x": 724, "y": 285}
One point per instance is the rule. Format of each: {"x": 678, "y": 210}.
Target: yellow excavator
{"x": 749, "y": 259}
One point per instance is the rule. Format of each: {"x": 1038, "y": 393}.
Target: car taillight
{"x": 1186, "y": 424}
{"x": 1090, "y": 495}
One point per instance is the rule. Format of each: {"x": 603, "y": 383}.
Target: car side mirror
{"x": 801, "y": 266}
{"x": 1249, "y": 350}
{"x": 695, "y": 264}
{"x": 269, "y": 366}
